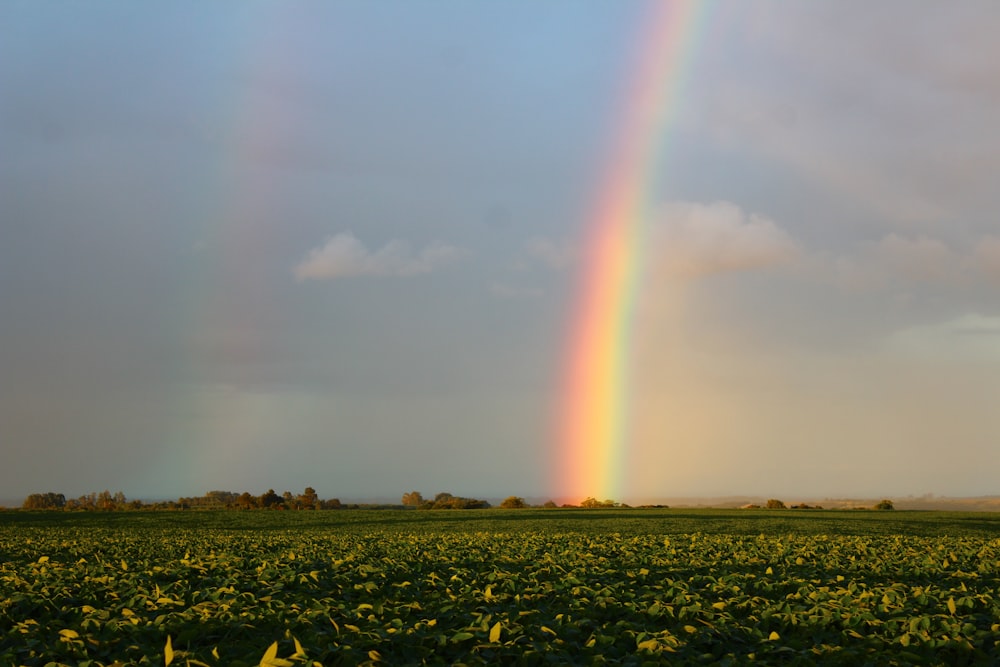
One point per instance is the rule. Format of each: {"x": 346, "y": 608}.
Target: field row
{"x": 95, "y": 596}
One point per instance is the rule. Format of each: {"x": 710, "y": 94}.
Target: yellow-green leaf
{"x": 649, "y": 645}
{"x": 269, "y": 654}
{"x": 168, "y": 652}
{"x": 495, "y": 632}
{"x": 773, "y": 637}
{"x": 69, "y": 634}
{"x": 951, "y": 605}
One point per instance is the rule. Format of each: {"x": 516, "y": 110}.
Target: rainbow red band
{"x": 593, "y": 424}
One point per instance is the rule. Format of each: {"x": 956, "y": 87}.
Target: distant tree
{"x": 513, "y": 503}
{"x": 885, "y": 505}
{"x": 446, "y": 501}
{"x": 269, "y": 499}
{"x": 309, "y": 499}
{"x": 105, "y": 501}
{"x": 330, "y": 504}
{"x": 44, "y": 501}
{"x": 413, "y": 499}
{"x": 245, "y": 501}
{"x": 775, "y": 504}
{"x": 593, "y": 503}
{"x": 550, "y": 504}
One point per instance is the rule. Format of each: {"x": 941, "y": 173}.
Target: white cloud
{"x": 505, "y": 291}
{"x": 343, "y": 255}
{"x": 692, "y": 239}
{"x": 554, "y": 255}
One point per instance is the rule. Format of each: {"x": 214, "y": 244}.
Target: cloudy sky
{"x": 269, "y": 245}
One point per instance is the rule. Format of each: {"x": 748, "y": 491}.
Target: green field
{"x": 492, "y": 586}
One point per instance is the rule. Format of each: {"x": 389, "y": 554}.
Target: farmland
{"x": 479, "y": 587}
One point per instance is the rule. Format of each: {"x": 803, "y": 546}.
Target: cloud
{"x": 693, "y": 239}
{"x": 505, "y": 291}
{"x": 866, "y": 111}
{"x": 897, "y": 259}
{"x": 343, "y": 256}
{"x": 554, "y": 255}
{"x": 971, "y": 337}
{"x": 987, "y": 257}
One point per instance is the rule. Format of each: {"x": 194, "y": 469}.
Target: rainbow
{"x": 592, "y": 424}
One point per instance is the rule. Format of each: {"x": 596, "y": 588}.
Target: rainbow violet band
{"x": 592, "y": 425}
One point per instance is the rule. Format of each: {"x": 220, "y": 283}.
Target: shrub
{"x": 513, "y": 503}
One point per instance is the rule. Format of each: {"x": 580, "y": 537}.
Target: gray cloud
{"x": 863, "y": 107}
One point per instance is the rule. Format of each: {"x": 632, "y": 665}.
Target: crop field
{"x": 486, "y": 587}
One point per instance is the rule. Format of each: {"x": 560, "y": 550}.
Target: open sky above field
{"x": 623, "y": 249}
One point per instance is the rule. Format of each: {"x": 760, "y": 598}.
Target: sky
{"x": 342, "y": 244}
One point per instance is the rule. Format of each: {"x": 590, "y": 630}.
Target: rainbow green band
{"x": 594, "y": 445}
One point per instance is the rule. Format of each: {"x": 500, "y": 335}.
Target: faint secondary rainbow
{"x": 219, "y": 415}
{"x": 593, "y": 421}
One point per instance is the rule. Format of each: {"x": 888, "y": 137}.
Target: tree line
{"x": 307, "y": 500}
{"x": 310, "y": 500}
{"x": 231, "y": 500}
